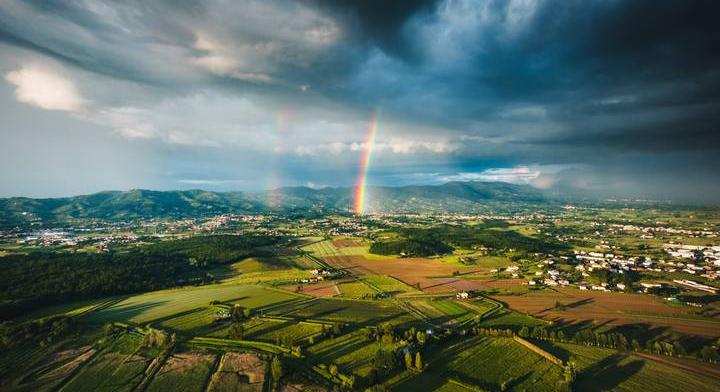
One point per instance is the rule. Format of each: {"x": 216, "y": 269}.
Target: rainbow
{"x": 361, "y": 182}
{"x": 274, "y": 178}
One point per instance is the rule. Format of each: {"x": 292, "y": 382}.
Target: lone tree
{"x": 408, "y": 360}
{"x": 236, "y": 331}
{"x": 418, "y": 361}
{"x": 524, "y": 332}
{"x": 276, "y": 369}
{"x": 570, "y": 373}
{"x": 238, "y": 313}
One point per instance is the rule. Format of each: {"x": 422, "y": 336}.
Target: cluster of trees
{"x": 158, "y": 338}
{"x": 38, "y": 279}
{"x": 615, "y": 340}
{"x": 238, "y": 314}
{"x": 332, "y": 330}
{"x": 215, "y": 249}
{"x": 493, "y": 332}
{"x": 384, "y": 363}
{"x": 711, "y": 352}
{"x": 387, "y": 334}
{"x": 585, "y": 337}
{"x": 601, "y": 275}
{"x": 442, "y": 239}
{"x": 276, "y": 371}
{"x": 416, "y": 364}
{"x": 345, "y": 381}
{"x": 618, "y": 341}
{"x": 412, "y": 247}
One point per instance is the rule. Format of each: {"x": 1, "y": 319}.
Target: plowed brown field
{"x": 412, "y": 271}
{"x": 611, "y": 309}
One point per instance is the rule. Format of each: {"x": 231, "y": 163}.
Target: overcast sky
{"x": 613, "y": 98}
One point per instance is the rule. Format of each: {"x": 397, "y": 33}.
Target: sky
{"x": 605, "y": 98}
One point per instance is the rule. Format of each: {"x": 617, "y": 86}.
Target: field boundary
{"x": 229, "y": 344}
{"x": 532, "y": 347}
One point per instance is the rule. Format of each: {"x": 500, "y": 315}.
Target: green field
{"x": 120, "y": 368}
{"x": 602, "y": 369}
{"x": 157, "y": 305}
{"x": 323, "y": 249}
{"x": 352, "y": 353}
{"x": 487, "y": 363}
{"x": 274, "y": 330}
{"x": 220, "y": 344}
{"x": 259, "y": 264}
{"x": 355, "y": 290}
{"x": 272, "y": 277}
{"x": 387, "y": 284}
{"x": 509, "y": 319}
{"x": 455, "y": 312}
{"x": 327, "y": 249}
{"x": 340, "y": 310}
{"x": 191, "y": 322}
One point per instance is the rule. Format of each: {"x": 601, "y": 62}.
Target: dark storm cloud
{"x": 377, "y": 21}
{"x": 597, "y": 85}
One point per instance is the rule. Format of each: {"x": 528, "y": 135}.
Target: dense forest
{"x": 442, "y": 239}
{"x": 29, "y": 281}
{"x": 410, "y": 247}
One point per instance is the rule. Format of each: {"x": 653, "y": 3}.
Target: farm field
{"x": 411, "y": 271}
{"x": 273, "y": 277}
{"x": 342, "y": 310}
{"x": 259, "y": 264}
{"x": 156, "y": 305}
{"x": 120, "y": 368}
{"x": 319, "y": 289}
{"x": 191, "y": 322}
{"x": 223, "y": 344}
{"x": 387, "y": 284}
{"x": 507, "y": 319}
{"x": 487, "y": 363}
{"x": 611, "y": 308}
{"x": 337, "y": 248}
{"x": 47, "y": 374}
{"x": 355, "y": 290}
{"x": 502, "y": 285}
{"x": 455, "y": 312}
{"x": 273, "y": 330}
{"x": 602, "y": 369}
{"x": 488, "y": 262}
{"x": 184, "y": 372}
{"x": 239, "y": 372}
{"x": 351, "y": 330}
{"x": 352, "y": 352}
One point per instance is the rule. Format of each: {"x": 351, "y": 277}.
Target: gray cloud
{"x": 623, "y": 95}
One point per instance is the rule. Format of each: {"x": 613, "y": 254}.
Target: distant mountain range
{"x": 458, "y": 197}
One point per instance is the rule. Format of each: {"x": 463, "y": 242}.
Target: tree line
{"x": 39, "y": 279}
{"x": 442, "y": 239}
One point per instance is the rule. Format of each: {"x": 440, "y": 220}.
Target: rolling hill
{"x": 456, "y": 197}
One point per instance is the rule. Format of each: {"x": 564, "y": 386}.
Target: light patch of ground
{"x": 239, "y": 372}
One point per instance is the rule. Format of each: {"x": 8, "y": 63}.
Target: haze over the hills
{"x": 610, "y": 98}
{"x": 457, "y": 197}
